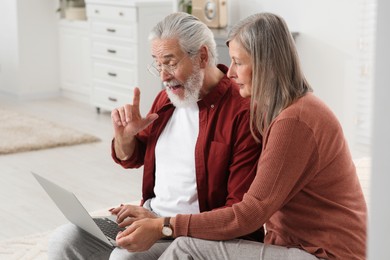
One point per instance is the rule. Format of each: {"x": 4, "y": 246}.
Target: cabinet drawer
{"x": 128, "y": 32}
{"x": 122, "y": 75}
{"x": 117, "y": 13}
{"x": 107, "y": 50}
{"x": 107, "y": 98}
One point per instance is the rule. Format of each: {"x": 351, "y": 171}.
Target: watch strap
{"x": 167, "y": 222}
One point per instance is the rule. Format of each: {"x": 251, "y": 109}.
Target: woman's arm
{"x": 289, "y": 148}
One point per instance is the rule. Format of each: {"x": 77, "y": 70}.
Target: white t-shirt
{"x": 175, "y": 186}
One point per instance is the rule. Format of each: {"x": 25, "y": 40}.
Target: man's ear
{"x": 204, "y": 56}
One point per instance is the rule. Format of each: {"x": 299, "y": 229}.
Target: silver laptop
{"x": 103, "y": 228}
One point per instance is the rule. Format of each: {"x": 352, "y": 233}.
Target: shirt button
{"x": 212, "y": 106}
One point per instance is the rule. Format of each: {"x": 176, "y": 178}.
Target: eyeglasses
{"x": 156, "y": 68}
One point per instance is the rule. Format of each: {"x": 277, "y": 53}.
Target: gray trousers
{"x": 183, "y": 248}
{"x": 69, "y": 242}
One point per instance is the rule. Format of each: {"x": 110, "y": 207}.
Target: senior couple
{"x": 228, "y": 151}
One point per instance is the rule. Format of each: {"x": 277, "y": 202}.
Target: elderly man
{"x": 195, "y": 144}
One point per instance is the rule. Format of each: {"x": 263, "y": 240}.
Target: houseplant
{"x": 185, "y": 6}
{"x": 72, "y": 9}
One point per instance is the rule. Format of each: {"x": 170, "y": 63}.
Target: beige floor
{"x": 86, "y": 169}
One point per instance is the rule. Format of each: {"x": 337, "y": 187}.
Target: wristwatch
{"x": 167, "y": 228}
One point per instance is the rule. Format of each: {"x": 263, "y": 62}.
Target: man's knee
{"x": 64, "y": 239}
{"x": 153, "y": 253}
{"x": 64, "y": 235}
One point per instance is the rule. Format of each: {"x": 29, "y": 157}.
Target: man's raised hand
{"x": 127, "y": 120}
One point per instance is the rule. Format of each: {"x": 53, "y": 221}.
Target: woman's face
{"x": 240, "y": 68}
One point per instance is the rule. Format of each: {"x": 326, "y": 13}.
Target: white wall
{"x": 29, "y": 48}
{"x": 379, "y": 225}
{"x": 8, "y": 43}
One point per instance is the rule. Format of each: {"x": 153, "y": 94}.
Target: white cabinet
{"x": 120, "y": 50}
{"x": 75, "y": 60}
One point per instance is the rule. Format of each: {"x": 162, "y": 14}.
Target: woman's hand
{"x": 140, "y": 235}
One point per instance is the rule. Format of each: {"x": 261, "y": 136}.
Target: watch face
{"x": 167, "y": 231}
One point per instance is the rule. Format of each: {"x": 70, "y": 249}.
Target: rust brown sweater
{"x": 306, "y": 190}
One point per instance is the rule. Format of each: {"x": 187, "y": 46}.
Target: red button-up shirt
{"x": 226, "y": 154}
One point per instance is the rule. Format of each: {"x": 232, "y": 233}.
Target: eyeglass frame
{"x": 170, "y": 69}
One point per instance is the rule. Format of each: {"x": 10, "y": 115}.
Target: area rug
{"x": 32, "y": 247}
{"x": 22, "y": 132}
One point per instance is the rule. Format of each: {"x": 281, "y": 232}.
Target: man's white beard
{"x": 192, "y": 88}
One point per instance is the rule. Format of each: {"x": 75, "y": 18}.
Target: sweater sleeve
{"x": 289, "y": 147}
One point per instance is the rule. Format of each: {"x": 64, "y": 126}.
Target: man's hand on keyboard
{"x": 127, "y": 214}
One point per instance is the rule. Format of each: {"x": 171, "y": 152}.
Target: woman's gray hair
{"x": 189, "y": 30}
{"x": 277, "y": 78}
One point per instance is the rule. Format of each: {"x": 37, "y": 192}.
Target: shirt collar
{"x": 214, "y": 96}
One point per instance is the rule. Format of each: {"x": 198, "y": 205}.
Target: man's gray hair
{"x": 189, "y": 30}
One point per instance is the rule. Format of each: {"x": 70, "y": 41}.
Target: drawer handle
{"x": 111, "y": 30}
{"x": 111, "y": 51}
{"x": 97, "y": 11}
{"x": 111, "y": 74}
{"x": 112, "y": 99}
{"x": 121, "y": 14}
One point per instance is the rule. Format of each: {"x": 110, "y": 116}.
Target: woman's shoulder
{"x": 307, "y": 108}
{"x": 307, "y": 119}
{"x": 312, "y": 113}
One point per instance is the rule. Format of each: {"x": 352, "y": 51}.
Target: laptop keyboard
{"x": 110, "y": 228}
